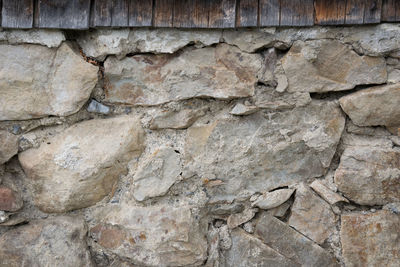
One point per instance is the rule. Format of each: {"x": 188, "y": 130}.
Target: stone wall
{"x": 165, "y": 147}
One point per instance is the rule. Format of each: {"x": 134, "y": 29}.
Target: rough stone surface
{"x": 97, "y": 107}
{"x": 56, "y": 241}
{"x": 103, "y": 42}
{"x": 374, "y": 106}
{"x": 220, "y": 72}
{"x": 49, "y": 38}
{"x": 241, "y": 110}
{"x": 152, "y": 236}
{"x": 8, "y": 146}
{"x": 80, "y": 166}
{"x": 369, "y": 175}
{"x": 312, "y": 216}
{"x": 371, "y": 239}
{"x": 157, "y": 174}
{"x": 322, "y": 66}
{"x": 270, "y": 200}
{"x": 327, "y": 194}
{"x": 9, "y": 199}
{"x": 36, "y": 81}
{"x": 248, "y": 250}
{"x": 269, "y": 98}
{"x": 256, "y": 152}
{"x": 175, "y": 119}
{"x": 294, "y": 246}
{"x": 237, "y": 219}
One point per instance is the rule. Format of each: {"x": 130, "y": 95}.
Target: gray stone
{"x": 234, "y": 220}
{"x": 226, "y": 209}
{"x": 58, "y": 241}
{"x": 240, "y": 110}
{"x": 175, "y": 119}
{"x": 369, "y": 175}
{"x": 221, "y": 72}
{"x": 291, "y": 244}
{"x": 261, "y": 152}
{"x": 267, "y": 97}
{"x": 157, "y": 174}
{"x": 46, "y": 37}
{"x": 98, "y": 107}
{"x": 374, "y": 106}
{"x": 281, "y": 210}
{"x": 270, "y": 200}
{"x": 103, "y": 42}
{"x": 80, "y": 166}
{"x": 9, "y": 146}
{"x": 9, "y": 199}
{"x": 327, "y": 194}
{"x": 250, "y": 40}
{"x": 312, "y": 216}
{"x": 249, "y": 251}
{"x": 326, "y": 65}
{"x": 36, "y": 81}
{"x": 151, "y": 236}
{"x": 371, "y": 239}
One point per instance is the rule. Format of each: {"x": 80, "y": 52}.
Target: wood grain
{"x": 297, "y": 13}
{"x": 270, "y": 11}
{"x": 372, "y": 11}
{"x": 163, "y": 13}
{"x": 140, "y": 13}
{"x": 17, "y": 14}
{"x": 328, "y": 12}
{"x": 355, "y": 12}
{"x": 222, "y": 14}
{"x": 247, "y": 13}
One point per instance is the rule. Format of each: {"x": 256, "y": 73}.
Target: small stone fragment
{"x": 237, "y": 219}
{"x": 241, "y": 110}
{"x": 328, "y": 195}
{"x": 226, "y": 209}
{"x": 249, "y": 227}
{"x": 8, "y": 146}
{"x": 281, "y": 210}
{"x": 98, "y": 107}
{"x": 312, "y": 216}
{"x": 3, "y": 217}
{"x": 9, "y": 199}
{"x": 175, "y": 120}
{"x": 270, "y": 200}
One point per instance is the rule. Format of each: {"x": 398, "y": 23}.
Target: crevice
{"x": 335, "y": 95}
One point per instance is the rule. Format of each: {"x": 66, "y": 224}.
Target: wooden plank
{"x": 101, "y": 13}
{"x": 120, "y": 13}
{"x": 372, "y": 11}
{"x": 355, "y": 12}
{"x": 328, "y": 12}
{"x": 199, "y": 13}
{"x": 297, "y": 13}
{"x": 140, "y": 13}
{"x": 163, "y": 13}
{"x": 63, "y": 14}
{"x": 270, "y": 11}
{"x": 389, "y": 10}
{"x": 247, "y": 13}
{"x": 17, "y": 14}
{"x": 222, "y": 14}
{"x": 181, "y": 15}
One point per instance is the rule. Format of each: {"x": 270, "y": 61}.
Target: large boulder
{"x": 327, "y": 65}
{"x": 58, "y": 241}
{"x": 151, "y": 236}
{"x": 80, "y": 166}
{"x": 221, "y": 72}
{"x": 37, "y": 81}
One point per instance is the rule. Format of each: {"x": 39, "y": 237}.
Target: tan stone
{"x": 273, "y": 199}
{"x": 234, "y": 220}
{"x": 175, "y": 119}
{"x": 371, "y": 239}
{"x": 80, "y": 166}
{"x": 9, "y": 199}
{"x": 327, "y": 194}
{"x": 8, "y": 146}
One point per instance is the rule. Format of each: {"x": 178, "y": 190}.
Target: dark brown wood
{"x": 199, "y": 13}
{"x": 222, "y": 14}
{"x": 297, "y": 13}
{"x": 109, "y": 13}
{"x": 63, "y": 14}
{"x": 389, "y": 10}
{"x": 270, "y": 11}
{"x": 328, "y": 12}
{"x": 17, "y": 14}
{"x": 355, "y": 12}
{"x": 372, "y": 11}
{"x": 247, "y": 13}
{"x": 163, "y": 13}
{"x": 120, "y": 13}
{"x": 182, "y": 11}
{"x": 140, "y": 13}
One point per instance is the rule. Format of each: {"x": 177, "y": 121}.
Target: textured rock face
{"x": 80, "y": 166}
{"x": 175, "y": 119}
{"x": 53, "y": 242}
{"x": 273, "y": 199}
{"x": 322, "y": 66}
{"x": 49, "y": 38}
{"x": 257, "y": 152}
{"x": 374, "y": 106}
{"x": 36, "y": 81}
{"x": 9, "y": 200}
{"x": 371, "y": 239}
{"x": 220, "y": 72}
{"x": 152, "y": 236}
{"x": 9, "y": 146}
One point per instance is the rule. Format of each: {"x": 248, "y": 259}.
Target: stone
{"x": 157, "y": 174}
{"x": 248, "y": 250}
{"x": 261, "y": 152}
{"x": 97, "y": 107}
{"x": 373, "y": 106}
{"x": 234, "y": 220}
{"x": 225, "y": 240}
{"x": 80, "y": 166}
{"x": 270, "y": 200}
{"x": 241, "y": 110}
{"x": 58, "y": 241}
{"x": 269, "y": 98}
{"x": 312, "y": 216}
{"x": 175, "y": 119}
{"x": 226, "y": 209}
{"x": 221, "y": 72}
{"x": 36, "y": 81}
{"x": 327, "y": 65}
{"x": 327, "y": 194}
{"x": 249, "y": 227}
{"x": 291, "y": 244}
{"x": 9, "y": 146}
{"x": 213, "y": 258}
{"x": 9, "y": 199}
{"x": 250, "y": 40}
{"x": 393, "y": 207}
{"x": 394, "y": 76}
{"x": 151, "y": 236}
{"x": 46, "y": 37}
{"x": 281, "y": 210}
{"x": 3, "y": 217}
{"x": 103, "y": 42}
{"x": 369, "y": 175}
{"x": 371, "y": 239}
